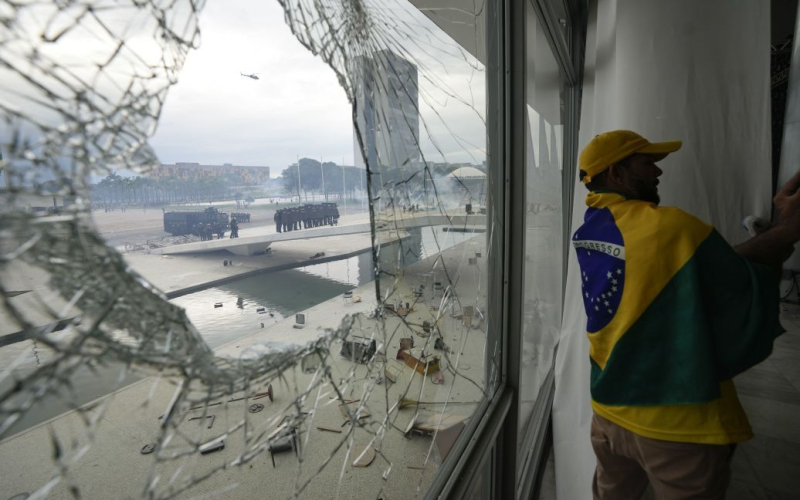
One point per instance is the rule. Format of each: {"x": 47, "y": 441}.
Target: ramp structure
{"x": 253, "y": 244}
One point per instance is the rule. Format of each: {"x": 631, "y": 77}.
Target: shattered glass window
{"x": 111, "y": 386}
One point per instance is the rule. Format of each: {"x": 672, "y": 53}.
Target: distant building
{"x": 467, "y": 173}
{"x": 469, "y": 181}
{"x": 237, "y": 174}
{"x": 387, "y": 100}
{"x": 437, "y": 167}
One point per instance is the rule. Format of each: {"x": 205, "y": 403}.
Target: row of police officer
{"x": 306, "y": 216}
{"x": 207, "y": 230}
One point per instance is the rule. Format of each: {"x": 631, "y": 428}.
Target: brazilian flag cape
{"x": 673, "y": 311}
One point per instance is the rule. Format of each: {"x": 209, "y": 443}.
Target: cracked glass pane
{"x": 325, "y": 353}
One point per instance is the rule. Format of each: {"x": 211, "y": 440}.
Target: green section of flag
{"x": 717, "y": 317}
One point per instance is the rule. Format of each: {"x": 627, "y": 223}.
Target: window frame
{"x": 488, "y": 446}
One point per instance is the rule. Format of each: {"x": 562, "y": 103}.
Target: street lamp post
{"x": 344, "y": 198}
{"x": 298, "y": 180}
{"x": 361, "y": 181}
{"x": 322, "y": 168}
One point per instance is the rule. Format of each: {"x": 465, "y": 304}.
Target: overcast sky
{"x": 214, "y": 115}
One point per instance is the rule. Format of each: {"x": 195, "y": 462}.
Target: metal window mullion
{"x": 574, "y": 92}
{"x": 558, "y": 44}
{"x": 516, "y": 143}
{"x": 571, "y": 129}
{"x": 537, "y": 444}
{"x": 461, "y": 483}
{"x": 476, "y": 444}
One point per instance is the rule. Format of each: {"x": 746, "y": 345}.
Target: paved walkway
{"x": 178, "y": 275}
{"x": 112, "y": 466}
{"x": 768, "y": 466}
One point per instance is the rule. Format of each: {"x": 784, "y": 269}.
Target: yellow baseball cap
{"x": 608, "y": 148}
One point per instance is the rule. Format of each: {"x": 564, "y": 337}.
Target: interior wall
{"x": 694, "y": 71}
{"x": 790, "y": 147}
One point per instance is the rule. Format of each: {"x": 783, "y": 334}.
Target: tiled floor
{"x": 548, "y": 489}
{"x": 768, "y": 466}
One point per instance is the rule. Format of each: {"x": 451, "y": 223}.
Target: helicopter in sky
{"x": 254, "y": 76}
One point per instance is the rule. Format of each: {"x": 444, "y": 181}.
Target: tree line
{"x": 337, "y": 178}
{"x": 116, "y": 190}
{"x": 352, "y": 179}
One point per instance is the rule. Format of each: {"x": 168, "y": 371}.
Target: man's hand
{"x": 775, "y": 245}
{"x": 787, "y": 202}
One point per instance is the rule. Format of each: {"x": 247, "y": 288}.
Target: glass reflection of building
{"x": 388, "y": 119}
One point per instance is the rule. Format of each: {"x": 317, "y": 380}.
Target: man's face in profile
{"x": 639, "y": 175}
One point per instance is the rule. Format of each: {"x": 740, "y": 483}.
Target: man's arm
{"x": 775, "y": 245}
{"x": 772, "y": 248}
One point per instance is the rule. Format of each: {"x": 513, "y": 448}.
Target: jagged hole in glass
{"x": 72, "y": 114}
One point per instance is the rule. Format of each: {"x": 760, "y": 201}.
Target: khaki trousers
{"x": 627, "y": 462}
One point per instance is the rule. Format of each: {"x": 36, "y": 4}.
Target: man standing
{"x": 674, "y": 313}
{"x": 300, "y": 214}
{"x": 277, "y": 221}
{"x": 234, "y": 228}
